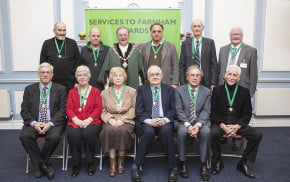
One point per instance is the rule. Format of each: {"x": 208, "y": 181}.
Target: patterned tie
{"x": 192, "y": 108}
{"x": 233, "y": 58}
{"x": 155, "y": 107}
{"x": 197, "y": 56}
{"x": 43, "y": 107}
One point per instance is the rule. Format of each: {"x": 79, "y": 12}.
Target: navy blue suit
{"x": 147, "y": 132}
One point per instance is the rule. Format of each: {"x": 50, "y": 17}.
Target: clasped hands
{"x": 193, "y": 130}
{"x": 82, "y": 123}
{"x": 41, "y": 127}
{"x": 230, "y": 129}
{"x": 115, "y": 123}
{"x": 157, "y": 122}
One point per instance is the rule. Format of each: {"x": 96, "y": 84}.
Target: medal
{"x": 193, "y": 57}
{"x": 59, "y": 56}
{"x": 155, "y": 56}
{"x": 95, "y": 64}
{"x": 80, "y": 109}
{"x": 125, "y": 65}
{"x": 193, "y": 107}
{"x": 43, "y": 105}
{"x": 231, "y": 109}
{"x": 154, "y": 103}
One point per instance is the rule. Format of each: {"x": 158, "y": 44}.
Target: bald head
{"x": 236, "y": 35}
{"x": 95, "y": 37}
{"x": 197, "y": 28}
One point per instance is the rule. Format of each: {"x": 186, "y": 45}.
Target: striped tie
{"x": 155, "y": 107}
{"x": 233, "y": 58}
{"x": 192, "y": 109}
{"x": 197, "y": 56}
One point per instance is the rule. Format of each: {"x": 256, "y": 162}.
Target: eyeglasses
{"x": 154, "y": 31}
{"x": 45, "y": 72}
{"x": 236, "y": 34}
{"x": 154, "y": 74}
{"x": 122, "y": 35}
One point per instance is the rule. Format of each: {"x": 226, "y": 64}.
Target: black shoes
{"x": 183, "y": 169}
{"x": 204, "y": 173}
{"x": 47, "y": 170}
{"x": 172, "y": 176}
{"x": 217, "y": 167}
{"x": 37, "y": 172}
{"x": 91, "y": 169}
{"x": 242, "y": 167}
{"x": 75, "y": 171}
{"x": 135, "y": 176}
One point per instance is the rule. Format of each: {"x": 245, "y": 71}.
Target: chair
{"x": 100, "y": 156}
{"x": 54, "y": 156}
{"x": 239, "y": 153}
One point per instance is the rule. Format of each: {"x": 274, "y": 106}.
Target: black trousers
{"x": 87, "y": 136}
{"x": 29, "y": 137}
{"x": 146, "y": 139}
{"x": 252, "y": 135}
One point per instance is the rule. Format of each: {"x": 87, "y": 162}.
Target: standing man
{"x": 231, "y": 112}
{"x": 124, "y": 54}
{"x": 63, "y": 54}
{"x": 199, "y": 51}
{"x": 242, "y": 55}
{"x": 161, "y": 53}
{"x": 193, "y": 114}
{"x": 155, "y": 112}
{"x": 93, "y": 55}
{"x": 43, "y": 113}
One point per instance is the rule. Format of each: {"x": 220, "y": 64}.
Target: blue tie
{"x": 155, "y": 107}
{"x": 197, "y": 56}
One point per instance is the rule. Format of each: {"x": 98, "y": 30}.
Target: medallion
{"x": 154, "y": 103}
{"x": 80, "y": 109}
{"x": 193, "y": 107}
{"x": 43, "y": 105}
{"x": 125, "y": 65}
{"x": 231, "y": 109}
{"x": 59, "y": 56}
{"x": 155, "y": 56}
{"x": 95, "y": 64}
{"x": 192, "y": 57}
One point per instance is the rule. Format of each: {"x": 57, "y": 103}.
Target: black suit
{"x": 241, "y": 114}
{"x": 208, "y": 61}
{"x": 30, "y": 112}
{"x": 147, "y": 132}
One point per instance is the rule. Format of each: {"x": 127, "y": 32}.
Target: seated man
{"x": 155, "y": 112}
{"x": 193, "y": 114}
{"x": 231, "y": 112}
{"x": 43, "y": 113}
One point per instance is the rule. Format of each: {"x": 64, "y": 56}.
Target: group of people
{"x": 150, "y": 94}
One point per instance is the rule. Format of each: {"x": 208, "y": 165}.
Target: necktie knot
{"x": 196, "y": 44}
{"x": 192, "y": 92}
{"x": 44, "y": 90}
{"x": 234, "y": 50}
{"x": 156, "y": 90}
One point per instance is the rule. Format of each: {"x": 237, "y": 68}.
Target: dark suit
{"x": 146, "y": 132}
{"x": 30, "y": 112}
{"x": 183, "y": 105}
{"x": 208, "y": 61}
{"x": 241, "y": 114}
{"x": 249, "y": 74}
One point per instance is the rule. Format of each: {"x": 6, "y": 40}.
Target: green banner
{"x": 138, "y": 21}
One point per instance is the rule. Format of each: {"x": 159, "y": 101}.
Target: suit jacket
{"x": 111, "y": 110}
{"x": 242, "y": 106}
{"x": 208, "y": 61}
{"x": 183, "y": 105}
{"x": 169, "y": 61}
{"x": 144, "y": 103}
{"x": 57, "y": 103}
{"x": 249, "y": 75}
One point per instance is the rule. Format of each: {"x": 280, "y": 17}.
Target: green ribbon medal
{"x": 231, "y": 100}
{"x": 42, "y": 96}
{"x": 121, "y": 96}
{"x": 193, "y": 49}
{"x": 233, "y": 55}
{"x": 193, "y": 98}
{"x": 154, "y": 95}
{"x": 96, "y": 54}
{"x": 82, "y": 98}
{"x": 57, "y": 48}
{"x": 156, "y": 51}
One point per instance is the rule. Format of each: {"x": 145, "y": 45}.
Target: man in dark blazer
{"x": 199, "y": 51}
{"x": 231, "y": 112}
{"x": 155, "y": 112}
{"x": 193, "y": 114}
{"x": 43, "y": 113}
{"x": 161, "y": 53}
{"x": 245, "y": 57}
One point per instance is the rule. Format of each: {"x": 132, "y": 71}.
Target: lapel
{"x": 163, "y": 96}
{"x": 189, "y": 47}
{"x": 186, "y": 99}
{"x": 52, "y": 96}
{"x": 164, "y": 51}
{"x": 227, "y": 53}
{"x": 203, "y": 47}
{"x": 242, "y": 54}
{"x": 36, "y": 98}
{"x": 148, "y": 95}
{"x": 147, "y": 51}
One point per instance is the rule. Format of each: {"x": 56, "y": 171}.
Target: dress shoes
{"x": 48, "y": 171}
{"x": 75, "y": 171}
{"x": 183, "y": 170}
{"x": 172, "y": 176}
{"x": 135, "y": 176}
{"x": 121, "y": 165}
{"x": 91, "y": 169}
{"x": 37, "y": 172}
{"x": 242, "y": 167}
{"x": 204, "y": 173}
{"x": 217, "y": 167}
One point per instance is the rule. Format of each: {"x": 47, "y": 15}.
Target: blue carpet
{"x": 272, "y": 165}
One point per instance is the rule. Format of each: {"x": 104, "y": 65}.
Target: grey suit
{"x": 249, "y": 75}
{"x": 169, "y": 62}
{"x": 183, "y": 104}
{"x": 208, "y": 61}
